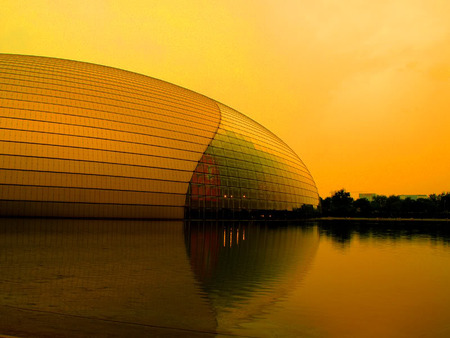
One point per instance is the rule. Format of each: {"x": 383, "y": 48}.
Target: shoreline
{"x": 381, "y": 219}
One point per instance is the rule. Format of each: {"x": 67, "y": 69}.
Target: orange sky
{"x": 359, "y": 89}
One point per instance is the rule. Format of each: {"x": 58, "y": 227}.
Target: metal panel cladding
{"x": 83, "y": 140}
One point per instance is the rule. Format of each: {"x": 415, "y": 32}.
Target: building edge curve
{"x": 85, "y": 140}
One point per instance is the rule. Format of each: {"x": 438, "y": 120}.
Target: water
{"x": 71, "y": 278}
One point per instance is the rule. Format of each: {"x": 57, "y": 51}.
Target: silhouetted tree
{"x": 326, "y": 206}
{"x": 445, "y": 198}
{"x": 408, "y": 207}
{"x": 442, "y": 204}
{"x": 362, "y": 207}
{"x": 425, "y": 207}
{"x": 393, "y": 206}
{"x": 379, "y": 205}
{"x": 341, "y": 203}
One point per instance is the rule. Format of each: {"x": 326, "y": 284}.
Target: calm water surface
{"x": 71, "y": 278}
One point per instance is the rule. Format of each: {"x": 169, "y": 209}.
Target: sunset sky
{"x": 360, "y": 90}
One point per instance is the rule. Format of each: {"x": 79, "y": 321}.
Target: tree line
{"x": 341, "y": 204}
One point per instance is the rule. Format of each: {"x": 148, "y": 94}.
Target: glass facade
{"x": 247, "y": 170}
{"x": 84, "y": 140}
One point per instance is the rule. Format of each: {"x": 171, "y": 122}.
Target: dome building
{"x": 84, "y": 140}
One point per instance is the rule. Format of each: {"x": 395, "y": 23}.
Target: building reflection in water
{"x": 90, "y": 277}
{"x": 246, "y": 268}
{"x": 140, "y": 278}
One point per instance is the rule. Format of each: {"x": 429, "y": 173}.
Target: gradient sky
{"x": 359, "y": 89}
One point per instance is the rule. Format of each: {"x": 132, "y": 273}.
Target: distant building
{"x": 413, "y": 197}
{"x": 368, "y": 196}
{"x": 371, "y": 196}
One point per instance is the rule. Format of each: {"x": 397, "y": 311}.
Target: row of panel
{"x": 124, "y": 116}
{"x": 46, "y": 86}
{"x": 228, "y": 167}
{"x": 249, "y": 204}
{"x": 157, "y": 181}
{"x": 214, "y": 192}
{"x": 88, "y": 210}
{"x": 62, "y": 121}
{"x": 150, "y": 113}
{"x": 251, "y": 179}
{"x": 23, "y": 130}
{"x": 234, "y": 156}
{"x": 98, "y": 78}
{"x": 89, "y": 181}
{"x": 79, "y": 195}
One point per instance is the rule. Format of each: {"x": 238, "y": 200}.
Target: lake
{"x": 115, "y": 278}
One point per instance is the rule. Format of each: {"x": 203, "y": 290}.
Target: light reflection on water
{"x": 245, "y": 269}
{"x": 168, "y": 278}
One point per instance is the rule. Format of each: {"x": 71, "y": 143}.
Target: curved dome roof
{"x": 84, "y": 140}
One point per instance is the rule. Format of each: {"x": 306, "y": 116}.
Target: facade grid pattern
{"x": 83, "y": 140}
{"x": 247, "y": 169}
